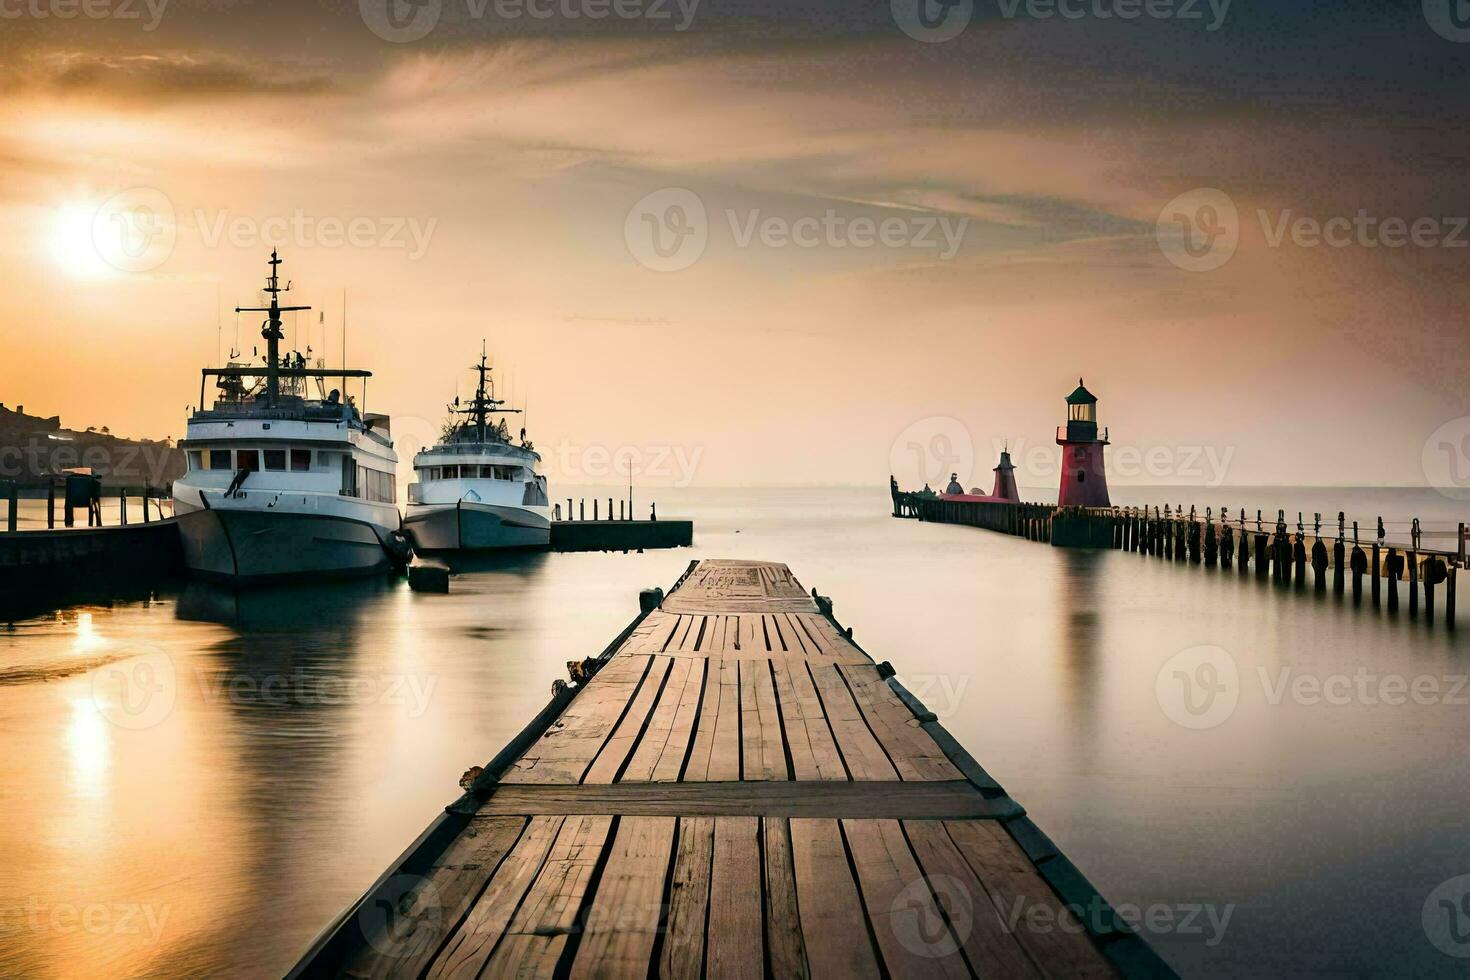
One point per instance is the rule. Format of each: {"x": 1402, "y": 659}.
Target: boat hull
{"x": 259, "y": 547}
{"x": 472, "y": 526}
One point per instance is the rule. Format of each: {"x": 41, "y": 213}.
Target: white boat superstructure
{"x": 286, "y": 478}
{"x": 477, "y": 490}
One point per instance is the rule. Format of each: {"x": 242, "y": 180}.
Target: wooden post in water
{"x": 1395, "y": 567}
{"x": 1434, "y": 573}
{"x": 1374, "y": 580}
{"x": 1299, "y": 558}
{"x": 1212, "y": 544}
{"x": 1360, "y": 565}
{"x": 1449, "y": 598}
{"x": 1263, "y": 559}
{"x": 1414, "y": 584}
{"x": 1319, "y": 566}
{"x": 122, "y": 505}
{"x": 51, "y": 502}
{"x": 12, "y": 504}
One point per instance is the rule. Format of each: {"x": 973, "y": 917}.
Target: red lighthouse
{"x": 1084, "y": 481}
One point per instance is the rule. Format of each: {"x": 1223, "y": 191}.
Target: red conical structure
{"x": 1005, "y": 486}
{"x": 1084, "y": 480}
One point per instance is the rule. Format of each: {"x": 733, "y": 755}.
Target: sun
{"x": 73, "y": 243}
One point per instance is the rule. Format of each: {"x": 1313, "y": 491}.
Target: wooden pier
{"x": 733, "y": 788}
{"x": 1286, "y": 553}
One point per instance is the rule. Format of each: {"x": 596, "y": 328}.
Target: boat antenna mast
{"x": 271, "y": 331}
{"x": 484, "y": 404}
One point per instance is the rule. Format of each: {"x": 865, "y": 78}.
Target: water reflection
{"x": 1078, "y": 592}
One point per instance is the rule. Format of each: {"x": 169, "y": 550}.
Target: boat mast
{"x": 272, "y": 329}
{"x": 484, "y": 404}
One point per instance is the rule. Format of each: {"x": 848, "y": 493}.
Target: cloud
{"x": 155, "y": 78}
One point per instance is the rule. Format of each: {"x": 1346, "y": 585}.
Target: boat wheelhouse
{"x": 286, "y": 476}
{"x": 477, "y": 489}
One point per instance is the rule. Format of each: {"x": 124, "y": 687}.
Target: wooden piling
{"x": 1263, "y": 561}
{"x": 1359, "y": 566}
{"x": 1375, "y": 576}
{"x": 1338, "y": 556}
{"x": 1413, "y": 559}
{"x": 1449, "y": 597}
{"x": 1395, "y": 567}
{"x": 122, "y": 504}
{"x": 12, "y": 505}
{"x": 51, "y": 504}
{"x": 1319, "y": 566}
{"x": 1434, "y": 573}
{"x": 1299, "y": 557}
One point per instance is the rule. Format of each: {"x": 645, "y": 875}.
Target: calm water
{"x": 201, "y": 782}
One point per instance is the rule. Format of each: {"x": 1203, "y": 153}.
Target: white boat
{"x": 477, "y": 490}
{"x": 283, "y": 481}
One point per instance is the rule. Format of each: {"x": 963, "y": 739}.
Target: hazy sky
{"x": 902, "y": 241}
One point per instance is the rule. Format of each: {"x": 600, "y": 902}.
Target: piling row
{"x": 1297, "y": 560}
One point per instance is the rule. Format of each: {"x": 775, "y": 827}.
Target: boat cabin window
{"x": 247, "y": 459}
{"x": 325, "y": 459}
{"x": 219, "y": 459}
{"x": 376, "y": 485}
{"x": 300, "y": 460}
{"x": 196, "y": 459}
{"x": 275, "y": 459}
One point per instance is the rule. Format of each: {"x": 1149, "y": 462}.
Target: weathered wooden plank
{"x": 833, "y": 925}
{"x": 404, "y": 936}
{"x": 796, "y": 637}
{"x": 716, "y": 753}
{"x": 1017, "y": 890}
{"x": 623, "y": 922}
{"x": 661, "y": 723}
{"x": 563, "y": 754}
{"x": 813, "y": 751}
{"x": 861, "y": 752}
{"x": 470, "y": 945}
{"x": 913, "y": 753}
{"x": 619, "y": 746}
{"x": 537, "y": 935}
{"x": 975, "y": 922}
{"x": 670, "y": 767}
{"x": 760, "y": 725}
{"x": 914, "y": 938}
{"x": 652, "y": 635}
{"x": 689, "y": 893}
{"x": 920, "y": 799}
{"x": 784, "y": 947}
{"x": 734, "y": 940}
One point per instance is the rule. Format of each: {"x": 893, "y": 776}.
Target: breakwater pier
{"x": 732, "y": 788}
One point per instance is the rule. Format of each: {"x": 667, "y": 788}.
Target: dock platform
{"x": 733, "y": 788}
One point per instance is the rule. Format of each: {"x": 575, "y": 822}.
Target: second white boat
{"x": 477, "y": 490}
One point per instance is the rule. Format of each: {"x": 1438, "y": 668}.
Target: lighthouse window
{"x": 1081, "y": 476}
{"x": 275, "y": 459}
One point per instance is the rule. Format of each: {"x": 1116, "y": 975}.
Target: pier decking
{"x": 734, "y": 789}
